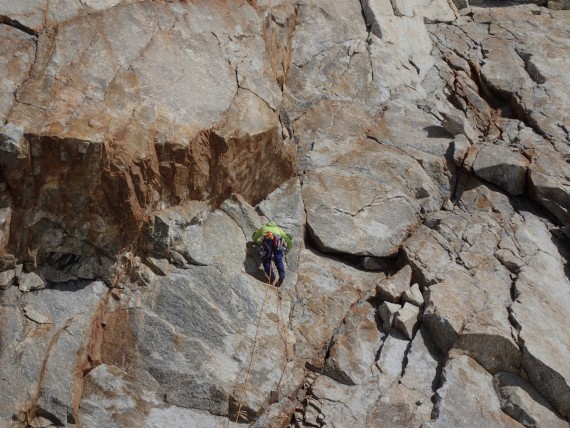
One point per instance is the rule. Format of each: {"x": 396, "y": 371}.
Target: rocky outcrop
{"x": 50, "y": 338}
{"x": 135, "y": 117}
{"x": 415, "y": 150}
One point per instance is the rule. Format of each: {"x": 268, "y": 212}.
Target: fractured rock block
{"x": 35, "y": 316}
{"x": 374, "y": 9}
{"x": 312, "y": 416}
{"x": 338, "y": 211}
{"x": 7, "y": 279}
{"x": 433, "y": 10}
{"x": 509, "y": 260}
{"x": 392, "y": 354}
{"x": 457, "y": 124}
{"x": 461, "y": 146}
{"x": 401, "y": 407}
{"x": 242, "y": 213}
{"x": 458, "y": 408}
{"x": 387, "y": 311}
{"x": 406, "y": 320}
{"x": 391, "y": 288}
{"x": 354, "y": 346}
{"x": 414, "y": 296}
{"x": 30, "y": 282}
{"x": 521, "y": 401}
{"x": 502, "y": 167}
{"x": 423, "y": 366}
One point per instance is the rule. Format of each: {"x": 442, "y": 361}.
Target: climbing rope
{"x": 238, "y": 414}
{"x": 284, "y": 338}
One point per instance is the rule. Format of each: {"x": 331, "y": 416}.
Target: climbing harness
{"x": 272, "y": 243}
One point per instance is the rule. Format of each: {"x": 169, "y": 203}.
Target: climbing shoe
{"x": 279, "y": 282}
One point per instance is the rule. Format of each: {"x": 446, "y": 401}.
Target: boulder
{"x": 338, "y": 201}
{"x": 461, "y": 146}
{"x": 406, "y": 320}
{"x": 30, "y": 281}
{"x": 392, "y": 288}
{"x": 387, "y": 312}
{"x": 502, "y": 167}
{"x": 509, "y": 260}
{"x": 457, "y": 124}
{"x": 429, "y": 254}
{"x": 414, "y": 296}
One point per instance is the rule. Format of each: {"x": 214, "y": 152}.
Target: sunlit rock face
{"x": 415, "y": 150}
{"x": 120, "y": 109}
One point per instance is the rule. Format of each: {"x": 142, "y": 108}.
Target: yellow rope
{"x": 253, "y": 351}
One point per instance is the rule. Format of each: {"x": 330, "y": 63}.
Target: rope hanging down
{"x": 238, "y": 413}
{"x": 284, "y": 338}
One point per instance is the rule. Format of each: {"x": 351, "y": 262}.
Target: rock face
{"x": 415, "y": 150}
{"x": 135, "y": 116}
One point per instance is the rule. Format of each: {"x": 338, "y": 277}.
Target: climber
{"x": 274, "y": 244}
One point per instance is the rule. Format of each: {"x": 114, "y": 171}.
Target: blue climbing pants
{"x": 278, "y": 259}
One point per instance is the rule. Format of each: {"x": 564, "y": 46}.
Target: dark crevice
{"x": 6, "y": 20}
{"x": 42, "y": 413}
{"x": 530, "y": 68}
{"x": 366, "y": 23}
{"x": 437, "y": 383}
{"x": 405, "y": 359}
{"x": 501, "y": 101}
{"x": 354, "y": 261}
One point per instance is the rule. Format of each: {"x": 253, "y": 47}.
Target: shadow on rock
{"x": 252, "y": 263}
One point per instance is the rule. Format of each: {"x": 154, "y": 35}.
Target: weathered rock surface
{"x": 324, "y": 282}
{"x": 456, "y": 408}
{"x": 353, "y": 350}
{"x": 522, "y": 402}
{"x": 38, "y": 330}
{"x": 100, "y": 109}
{"x": 418, "y": 142}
